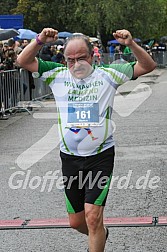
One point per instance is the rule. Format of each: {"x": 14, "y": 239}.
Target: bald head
{"x": 80, "y": 40}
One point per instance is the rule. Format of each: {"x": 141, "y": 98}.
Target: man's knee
{"x": 94, "y": 216}
{"x": 76, "y": 220}
{"x": 75, "y": 223}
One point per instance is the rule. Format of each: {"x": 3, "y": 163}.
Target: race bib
{"x": 83, "y": 114}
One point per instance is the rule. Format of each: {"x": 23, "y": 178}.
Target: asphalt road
{"x": 29, "y": 149}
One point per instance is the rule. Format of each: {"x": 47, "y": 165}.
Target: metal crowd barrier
{"x": 107, "y": 58}
{"x": 32, "y": 89}
{"x": 40, "y": 91}
{"x": 160, "y": 57}
{"x": 24, "y": 85}
{"x": 17, "y": 87}
{"x": 10, "y": 92}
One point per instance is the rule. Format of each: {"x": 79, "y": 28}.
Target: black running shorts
{"x": 87, "y": 179}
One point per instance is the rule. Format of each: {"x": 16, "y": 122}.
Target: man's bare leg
{"x": 90, "y": 222}
{"x": 77, "y": 221}
{"x": 96, "y": 230}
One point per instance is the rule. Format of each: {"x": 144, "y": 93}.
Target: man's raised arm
{"x": 145, "y": 63}
{"x": 27, "y": 58}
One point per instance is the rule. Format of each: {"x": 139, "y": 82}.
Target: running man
{"x": 84, "y": 96}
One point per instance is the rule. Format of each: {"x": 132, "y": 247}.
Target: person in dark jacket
{"x": 45, "y": 53}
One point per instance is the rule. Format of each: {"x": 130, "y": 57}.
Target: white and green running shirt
{"x": 85, "y": 106}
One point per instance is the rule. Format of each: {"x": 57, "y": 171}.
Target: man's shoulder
{"x": 118, "y": 70}
{"x": 46, "y": 66}
{"x": 119, "y": 66}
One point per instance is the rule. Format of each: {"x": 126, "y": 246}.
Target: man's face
{"x": 25, "y": 43}
{"x": 79, "y": 59}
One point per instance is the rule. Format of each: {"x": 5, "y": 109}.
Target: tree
{"x": 143, "y": 18}
{"x": 7, "y": 6}
{"x": 56, "y": 14}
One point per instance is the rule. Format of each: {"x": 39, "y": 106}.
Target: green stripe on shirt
{"x": 44, "y": 66}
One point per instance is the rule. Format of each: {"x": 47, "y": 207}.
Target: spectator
{"x": 9, "y": 61}
{"x": 1, "y": 52}
{"x": 15, "y": 45}
{"x": 59, "y": 57}
{"x": 53, "y": 49}
{"x": 96, "y": 54}
{"x": 127, "y": 52}
{"x": 25, "y": 42}
{"x": 45, "y": 53}
{"x": 5, "y": 47}
{"x": 118, "y": 52}
{"x": 112, "y": 51}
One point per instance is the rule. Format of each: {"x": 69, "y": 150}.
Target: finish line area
{"x": 64, "y": 223}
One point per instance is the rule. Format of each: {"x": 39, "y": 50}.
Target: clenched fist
{"x": 123, "y": 36}
{"x": 48, "y": 35}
